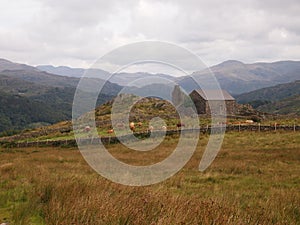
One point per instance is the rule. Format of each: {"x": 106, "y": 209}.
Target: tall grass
{"x": 255, "y": 179}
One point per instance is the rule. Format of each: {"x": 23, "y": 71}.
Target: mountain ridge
{"x": 237, "y": 77}
{"x": 278, "y": 99}
{"x": 32, "y": 88}
{"x": 233, "y": 75}
{"x": 122, "y": 78}
{"x": 44, "y": 97}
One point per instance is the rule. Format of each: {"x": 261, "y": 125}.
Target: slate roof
{"x": 215, "y": 95}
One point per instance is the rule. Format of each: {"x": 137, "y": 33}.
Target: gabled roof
{"x": 214, "y": 95}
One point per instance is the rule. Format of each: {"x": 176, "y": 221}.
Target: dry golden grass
{"x": 255, "y": 179}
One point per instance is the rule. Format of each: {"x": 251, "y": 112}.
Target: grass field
{"x": 255, "y": 179}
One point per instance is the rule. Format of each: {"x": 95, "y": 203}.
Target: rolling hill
{"x": 274, "y": 93}
{"x": 45, "y": 98}
{"x": 52, "y": 95}
{"x": 123, "y": 79}
{"x": 144, "y": 110}
{"x": 237, "y": 77}
{"x": 289, "y": 105}
{"x": 233, "y": 76}
{"x": 31, "y": 74}
{"x": 22, "y": 112}
{"x": 279, "y": 99}
{"x": 62, "y": 70}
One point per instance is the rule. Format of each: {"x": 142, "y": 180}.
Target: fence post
{"x": 239, "y": 126}
{"x": 294, "y": 127}
{"x": 258, "y": 127}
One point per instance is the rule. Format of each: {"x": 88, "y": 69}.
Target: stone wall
{"x": 112, "y": 140}
{"x": 199, "y": 102}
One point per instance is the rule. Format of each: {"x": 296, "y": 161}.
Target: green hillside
{"x": 20, "y": 112}
{"x": 18, "y": 86}
{"x": 274, "y": 93}
{"x": 279, "y": 99}
{"x": 285, "y": 106}
{"x": 17, "y": 112}
{"x": 30, "y": 97}
{"x": 237, "y": 77}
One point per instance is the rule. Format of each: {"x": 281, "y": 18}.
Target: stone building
{"x": 216, "y": 101}
{"x": 178, "y": 96}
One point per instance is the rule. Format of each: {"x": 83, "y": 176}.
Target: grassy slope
{"x": 41, "y": 105}
{"x": 279, "y": 99}
{"x": 51, "y": 94}
{"x": 274, "y": 93}
{"x": 254, "y": 180}
{"x": 286, "y": 106}
{"x": 18, "y": 112}
{"x": 143, "y": 111}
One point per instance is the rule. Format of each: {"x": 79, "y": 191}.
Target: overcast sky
{"x": 76, "y": 32}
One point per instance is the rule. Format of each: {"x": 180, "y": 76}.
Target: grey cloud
{"x": 76, "y": 33}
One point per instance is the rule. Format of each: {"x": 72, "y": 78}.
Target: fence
{"x": 141, "y": 135}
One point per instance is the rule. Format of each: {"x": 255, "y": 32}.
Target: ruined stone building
{"x": 216, "y": 101}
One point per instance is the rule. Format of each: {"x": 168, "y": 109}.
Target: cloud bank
{"x": 76, "y": 33}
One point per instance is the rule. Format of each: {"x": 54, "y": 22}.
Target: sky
{"x": 76, "y": 33}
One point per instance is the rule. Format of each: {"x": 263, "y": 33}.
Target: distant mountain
{"x": 44, "y": 97}
{"x": 237, "y": 77}
{"x": 163, "y": 91}
{"x": 234, "y": 76}
{"x": 279, "y": 99}
{"x": 62, "y": 70}
{"x": 123, "y": 79}
{"x": 140, "y": 79}
{"x": 8, "y": 65}
{"x": 28, "y": 81}
{"x": 32, "y": 74}
{"x": 47, "y": 96}
{"x": 274, "y": 93}
{"x": 16, "y": 86}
